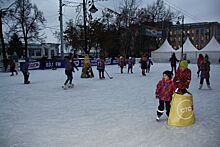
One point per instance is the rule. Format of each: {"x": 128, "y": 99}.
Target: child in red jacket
{"x": 164, "y": 92}
{"x": 182, "y": 77}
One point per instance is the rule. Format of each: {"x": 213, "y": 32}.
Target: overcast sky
{"x": 193, "y": 10}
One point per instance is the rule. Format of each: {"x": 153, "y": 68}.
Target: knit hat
{"x": 168, "y": 73}
{"x": 184, "y": 63}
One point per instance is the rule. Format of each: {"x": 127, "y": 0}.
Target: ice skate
{"x": 209, "y": 87}
{"x": 65, "y": 87}
{"x": 200, "y": 86}
{"x": 70, "y": 85}
{"x": 157, "y": 118}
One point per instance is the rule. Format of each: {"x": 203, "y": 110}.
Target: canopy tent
{"x": 212, "y": 46}
{"x": 165, "y": 47}
{"x": 163, "y": 53}
{"x": 190, "y": 51}
{"x": 212, "y": 49}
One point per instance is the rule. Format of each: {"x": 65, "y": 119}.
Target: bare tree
{"x": 27, "y": 22}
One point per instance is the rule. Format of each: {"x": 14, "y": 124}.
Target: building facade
{"x": 198, "y": 33}
{"x": 37, "y": 51}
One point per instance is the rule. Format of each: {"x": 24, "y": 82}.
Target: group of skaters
{"x": 180, "y": 83}
{"x": 123, "y": 62}
{"x": 145, "y": 63}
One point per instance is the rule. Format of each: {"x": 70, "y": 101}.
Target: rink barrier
{"x": 33, "y": 65}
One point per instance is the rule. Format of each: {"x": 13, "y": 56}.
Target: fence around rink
{"x": 33, "y": 65}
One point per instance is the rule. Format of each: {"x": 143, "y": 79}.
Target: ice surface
{"x": 118, "y": 112}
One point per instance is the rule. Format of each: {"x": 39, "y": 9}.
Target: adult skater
{"x": 54, "y": 60}
{"x": 12, "y": 67}
{"x": 143, "y": 63}
{"x": 205, "y": 70}
{"x": 101, "y": 67}
{"x": 182, "y": 77}
{"x": 149, "y": 63}
{"x": 26, "y": 73}
{"x": 173, "y": 60}
{"x": 69, "y": 68}
{"x": 199, "y": 62}
{"x": 164, "y": 92}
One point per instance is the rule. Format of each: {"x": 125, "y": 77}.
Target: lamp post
{"x": 61, "y": 29}
{"x": 92, "y": 9}
{"x": 182, "y": 29}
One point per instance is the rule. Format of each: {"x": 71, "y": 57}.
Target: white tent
{"x": 212, "y": 49}
{"x": 190, "y": 51}
{"x": 163, "y": 53}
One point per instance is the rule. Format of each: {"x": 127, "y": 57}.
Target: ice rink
{"x": 118, "y": 112}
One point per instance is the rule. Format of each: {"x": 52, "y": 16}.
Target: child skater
{"x": 164, "y": 92}
{"x": 101, "y": 67}
{"x": 130, "y": 64}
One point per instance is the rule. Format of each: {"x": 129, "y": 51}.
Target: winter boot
{"x": 65, "y": 87}
{"x": 200, "y": 86}
{"x": 158, "y": 118}
{"x": 70, "y": 85}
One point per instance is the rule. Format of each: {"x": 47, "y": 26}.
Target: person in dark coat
{"x": 205, "y": 73}
{"x": 43, "y": 62}
{"x": 69, "y": 68}
{"x": 149, "y": 63}
{"x": 143, "y": 63}
{"x": 54, "y": 62}
{"x": 12, "y": 67}
{"x": 25, "y": 71}
{"x": 164, "y": 92}
{"x": 173, "y": 60}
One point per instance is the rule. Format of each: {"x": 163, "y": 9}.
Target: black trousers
{"x": 161, "y": 108}
{"x": 69, "y": 75}
{"x": 173, "y": 68}
{"x": 207, "y": 81}
{"x": 26, "y": 77}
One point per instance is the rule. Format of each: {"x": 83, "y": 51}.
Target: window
{"x": 38, "y": 52}
{"x": 31, "y": 52}
{"x": 171, "y": 33}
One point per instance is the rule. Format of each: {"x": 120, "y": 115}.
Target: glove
{"x": 183, "y": 91}
{"x": 157, "y": 97}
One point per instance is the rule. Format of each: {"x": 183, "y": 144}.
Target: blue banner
{"x": 61, "y": 63}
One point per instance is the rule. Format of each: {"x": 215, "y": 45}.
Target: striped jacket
{"x": 182, "y": 78}
{"x": 165, "y": 90}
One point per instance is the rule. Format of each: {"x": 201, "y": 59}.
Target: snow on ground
{"x": 118, "y": 112}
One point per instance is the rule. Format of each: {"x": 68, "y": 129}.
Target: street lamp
{"x": 182, "y": 28}
{"x": 92, "y": 9}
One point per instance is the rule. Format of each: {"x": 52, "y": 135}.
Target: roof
{"x": 165, "y": 47}
{"x": 213, "y": 45}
